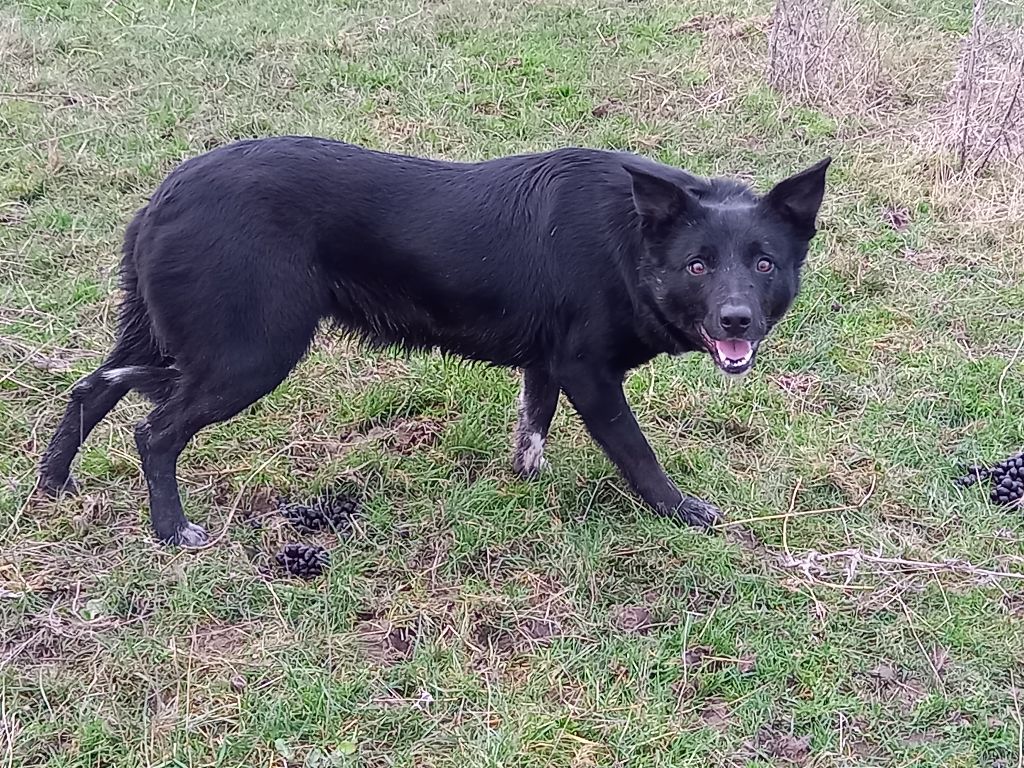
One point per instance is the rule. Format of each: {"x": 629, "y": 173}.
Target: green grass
{"x": 474, "y": 619}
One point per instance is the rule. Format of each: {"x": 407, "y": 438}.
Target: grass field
{"x": 858, "y": 610}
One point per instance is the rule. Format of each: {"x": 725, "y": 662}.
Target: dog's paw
{"x": 54, "y": 489}
{"x": 189, "y": 535}
{"x": 528, "y": 461}
{"x": 699, "y": 513}
{"x": 529, "y": 471}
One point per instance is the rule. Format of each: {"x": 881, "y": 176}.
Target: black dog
{"x": 574, "y": 265}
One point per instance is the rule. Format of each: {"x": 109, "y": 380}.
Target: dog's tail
{"x": 138, "y": 360}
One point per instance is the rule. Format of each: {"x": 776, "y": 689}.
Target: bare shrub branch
{"x": 981, "y": 122}
{"x": 821, "y": 53}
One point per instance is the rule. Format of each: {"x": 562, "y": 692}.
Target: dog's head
{"x": 721, "y": 264}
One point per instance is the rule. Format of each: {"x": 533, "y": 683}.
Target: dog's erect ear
{"x": 798, "y": 198}
{"x": 658, "y": 200}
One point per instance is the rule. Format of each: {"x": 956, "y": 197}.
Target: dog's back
{"x": 421, "y": 253}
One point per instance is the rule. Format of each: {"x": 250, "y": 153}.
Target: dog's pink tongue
{"x": 733, "y": 349}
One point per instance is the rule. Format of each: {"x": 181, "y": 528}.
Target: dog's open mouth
{"x": 733, "y": 356}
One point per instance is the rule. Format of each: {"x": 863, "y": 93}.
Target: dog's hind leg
{"x": 199, "y": 400}
{"x": 538, "y": 399}
{"x": 93, "y": 397}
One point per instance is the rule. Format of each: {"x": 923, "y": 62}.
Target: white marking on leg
{"x": 114, "y": 375}
{"x": 533, "y": 453}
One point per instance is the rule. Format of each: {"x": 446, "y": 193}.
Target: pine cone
{"x": 326, "y": 512}
{"x": 302, "y": 560}
{"x": 1006, "y": 478}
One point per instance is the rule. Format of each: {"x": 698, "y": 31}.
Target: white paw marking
{"x": 533, "y": 454}
{"x": 191, "y": 535}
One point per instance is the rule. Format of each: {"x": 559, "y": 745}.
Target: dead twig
{"x": 967, "y": 82}
{"x": 1019, "y": 719}
{"x": 812, "y": 561}
{"x": 785, "y": 520}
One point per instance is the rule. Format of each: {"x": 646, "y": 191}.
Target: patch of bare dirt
{"x": 493, "y": 638}
{"x": 219, "y": 641}
{"x": 256, "y": 505}
{"x": 608, "y": 107}
{"x": 547, "y": 613}
{"x": 747, "y": 540}
{"x": 779, "y": 746}
{"x": 404, "y": 436}
{"x": 857, "y": 740}
{"x": 704, "y": 658}
{"x": 715, "y": 715}
{"x": 487, "y": 108}
{"x": 897, "y": 217}
{"x": 71, "y": 630}
{"x": 887, "y": 681}
{"x": 383, "y": 643}
{"x": 540, "y": 628}
{"x": 801, "y": 384}
{"x": 505, "y": 637}
{"x": 1013, "y": 604}
{"x": 633, "y": 619}
{"x": 802, "y": 389}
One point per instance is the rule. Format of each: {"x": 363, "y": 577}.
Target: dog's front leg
{"x": 600, "y": 401}
{"x": 538, "y": 399}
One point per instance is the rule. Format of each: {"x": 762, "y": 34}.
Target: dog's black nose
{"x": 735, "y": 318}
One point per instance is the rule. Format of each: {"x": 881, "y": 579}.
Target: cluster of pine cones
{"x": 303, "y": 560}
{"x": 1007, "y": 479}
{"x": 327, "y": 512}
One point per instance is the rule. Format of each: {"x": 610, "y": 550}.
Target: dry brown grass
{"x": 821, "y": 53}
{"x": 981, "y": 121}
{"x": 973, "y": 139}
{"x": 968, "y": 146}
{"x": 989, "y": 116}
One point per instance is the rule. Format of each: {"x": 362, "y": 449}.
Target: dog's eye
{"x": 697, "y": 267}
{"x": 765, "y": 265}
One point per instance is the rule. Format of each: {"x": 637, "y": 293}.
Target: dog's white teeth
{"x": 738, "y": 360}
{"x": 731, "y": 363}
